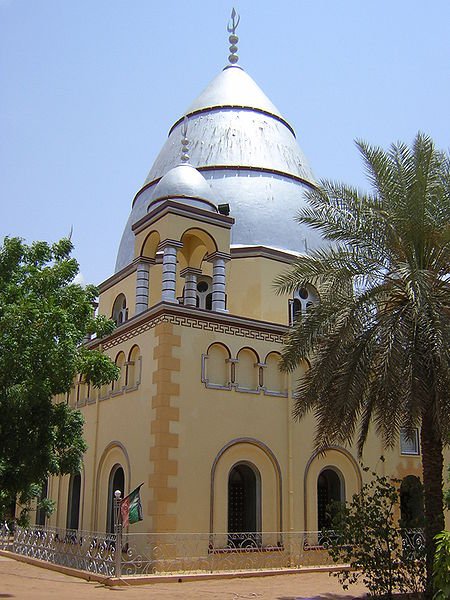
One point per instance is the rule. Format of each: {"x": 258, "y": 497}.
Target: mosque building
{"x": 201, "y": 413}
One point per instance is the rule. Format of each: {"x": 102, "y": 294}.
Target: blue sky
{"x": 90, "y": 88}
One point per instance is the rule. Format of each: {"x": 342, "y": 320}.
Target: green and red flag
{"x": 131, "y": 508}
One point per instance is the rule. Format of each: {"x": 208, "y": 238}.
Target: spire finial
{"x": 233, "y": 38}
{"x": 184, "y": 141}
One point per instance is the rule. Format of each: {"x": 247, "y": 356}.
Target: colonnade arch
{"x": 182, "y": 257}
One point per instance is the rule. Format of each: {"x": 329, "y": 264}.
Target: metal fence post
{"x": 118, "y": 532}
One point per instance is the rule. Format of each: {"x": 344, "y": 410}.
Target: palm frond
{"x": 378, "y": 342}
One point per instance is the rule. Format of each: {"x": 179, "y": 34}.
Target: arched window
{"x": 134, "y": 367}
{"x": 411, "y": 503}
{"x": 73, "y": 502}
{"x": 244, "y": 505}
{"x": 204, "y": 292}
{"x": 302, "y": 299}
{"x": 116, "y": 482}
{"x": 329, "y": 490}
{"x": 119, "y": 311}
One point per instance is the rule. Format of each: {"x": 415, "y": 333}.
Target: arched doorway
{"x": 411, "y": 503}
{"x": 116, "y": 482}
{"x": 73, "y": 503}
{"x": 244, "y": 505}
{"x": 329, "y": 490}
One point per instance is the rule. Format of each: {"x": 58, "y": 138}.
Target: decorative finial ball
{"x": 233, "y": 39}
{"x": 233, "y": 59}
{"x": 117, "y": 494}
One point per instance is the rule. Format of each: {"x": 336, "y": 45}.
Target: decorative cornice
{"x": 223, "y": 255}
{"x": 193, "y": 317}
{"x": 264, "y": 252}
{"x": 108, "y": 283}
{"x": 169, "y": 243}
{"x": 190, "y": 271}
{"x": 183, "y": 210}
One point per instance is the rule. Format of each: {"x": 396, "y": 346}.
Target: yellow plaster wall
{"x": 250, "y": 290}
{"x": 209, "y": 420}
{"x": 127, "y": 286}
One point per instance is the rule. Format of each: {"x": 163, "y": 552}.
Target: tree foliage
{"x": 366, "y": 537}
{"x": 441, "y": 572}
{"x": 44, "y": 318}
{"x": 378, "y": 341}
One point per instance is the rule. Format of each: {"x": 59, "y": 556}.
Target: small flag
{"x": 131, "y": 507}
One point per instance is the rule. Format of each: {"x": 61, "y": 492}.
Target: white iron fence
{"x": 168, "y": 553}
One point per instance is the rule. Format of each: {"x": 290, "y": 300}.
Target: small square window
{"x": 409, "y": 446}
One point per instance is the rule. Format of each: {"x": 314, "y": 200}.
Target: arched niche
{"x": 216, "y": 366}
{"x": 247, "y": 370}
{"x": 344, "y": 465}
{"x": 275, "y": 381}
{"x": 256, "y": 455}
{"x": 134, "y": 367}
{"x": 119, "y": 383}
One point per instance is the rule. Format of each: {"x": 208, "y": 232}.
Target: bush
{"x": 365, "y": 536}
{"x": 441, "y": 571}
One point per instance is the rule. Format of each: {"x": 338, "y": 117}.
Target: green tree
{"x": 378, "y": 341}
{"x": 44, "y": 318}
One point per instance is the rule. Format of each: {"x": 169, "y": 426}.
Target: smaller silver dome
{"x": 187, "y": 185}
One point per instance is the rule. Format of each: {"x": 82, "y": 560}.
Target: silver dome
{"x": 185, "y": 184}
{"x": 248, "y": 153}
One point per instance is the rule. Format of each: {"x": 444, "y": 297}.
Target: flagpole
{"x": 118, "y": 532}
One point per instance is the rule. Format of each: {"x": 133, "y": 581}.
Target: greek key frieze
{"x": 195, "y": 323}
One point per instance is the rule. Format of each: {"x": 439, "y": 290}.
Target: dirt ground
{"x": 19, "y": 580}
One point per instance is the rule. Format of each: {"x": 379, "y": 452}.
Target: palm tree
{"x": 378, "y": 341}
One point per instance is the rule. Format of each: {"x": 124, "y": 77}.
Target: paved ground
{"x": 19, "y": 580}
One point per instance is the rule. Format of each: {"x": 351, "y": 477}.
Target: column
{"x": 190, "y": 285}
{"x": 142, "y": 284}
{"x": 219, "y": 260}
{"x": 169, "y": 270}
